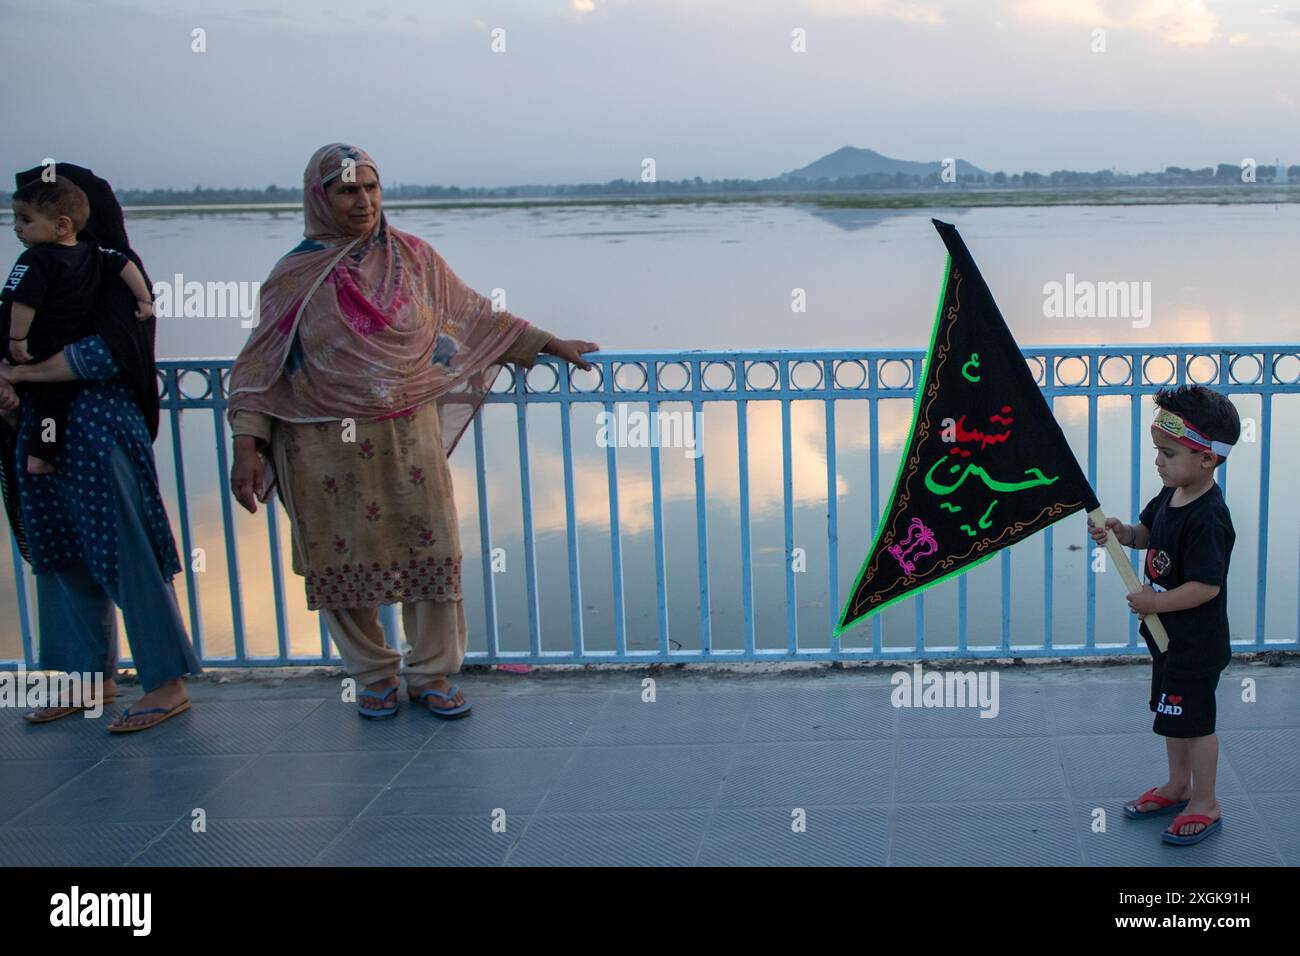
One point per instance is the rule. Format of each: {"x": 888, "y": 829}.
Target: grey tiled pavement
{"x": 577, "y": 769}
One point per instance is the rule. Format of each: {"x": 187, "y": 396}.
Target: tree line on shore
{"x": 1223, "y": 175}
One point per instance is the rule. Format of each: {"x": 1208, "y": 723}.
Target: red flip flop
{"x": 1166, "y": 805}
{"x": 1177, "y": 839}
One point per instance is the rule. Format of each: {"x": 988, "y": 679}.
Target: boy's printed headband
{"x": 1186, "y": 433}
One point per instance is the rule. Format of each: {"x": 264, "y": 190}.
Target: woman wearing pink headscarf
{"x": 370, "y": 359}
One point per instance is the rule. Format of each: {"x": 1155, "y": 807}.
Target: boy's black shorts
{"x": 1183, "y": 702}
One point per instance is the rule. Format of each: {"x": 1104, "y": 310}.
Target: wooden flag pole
{"x": 1131, "y": 582}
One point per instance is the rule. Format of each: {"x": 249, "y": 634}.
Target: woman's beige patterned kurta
{"x": 374, "y": 518}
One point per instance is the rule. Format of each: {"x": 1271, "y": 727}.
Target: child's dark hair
{"x": 1205, "y": 408}
{"x": 62, "y": 197}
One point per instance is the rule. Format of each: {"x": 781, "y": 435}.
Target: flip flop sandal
{"x": 446, "y": 713}
{"x": 1178, "y": 839}
{"x": 1166, "y": 805}
{"x": 377, "y": 713}
{"x": 31, "y": 717}
{"x": 162, "y": 712}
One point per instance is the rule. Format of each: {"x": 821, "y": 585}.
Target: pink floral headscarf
{"x": 367, "y": 327}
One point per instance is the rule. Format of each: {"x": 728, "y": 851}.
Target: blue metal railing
{"x": 738, "y": 378}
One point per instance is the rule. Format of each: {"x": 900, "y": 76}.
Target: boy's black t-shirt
{"x": 1191, "y": 542}
{"x": 62, "y": 284}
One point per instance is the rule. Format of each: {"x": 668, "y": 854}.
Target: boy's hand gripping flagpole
{"x": 1131, "y": 582}
{"x": 986, "y": 463}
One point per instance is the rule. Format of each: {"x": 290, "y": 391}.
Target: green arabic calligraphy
{"x": 991, "y": 483}
{"x": 974, "y": 362}
{"x": 984, "y": 521}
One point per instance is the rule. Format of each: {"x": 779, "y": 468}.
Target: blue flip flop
{"x": 446, "y": 713}
{"x": 1177, "y": 839}
{"x": 163, "y": 714}
{"x": 377, "y": 713}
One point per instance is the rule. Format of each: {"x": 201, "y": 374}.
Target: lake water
{"x": 722, "y": 276}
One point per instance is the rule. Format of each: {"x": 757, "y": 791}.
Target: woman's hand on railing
{"x": 571, "y": 350}
{"x": 246, "y": 473}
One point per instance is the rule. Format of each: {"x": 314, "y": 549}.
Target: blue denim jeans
{"x": 77, "y": 620}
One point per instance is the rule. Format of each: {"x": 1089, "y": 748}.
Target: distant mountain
{"x": 851, "y": 161}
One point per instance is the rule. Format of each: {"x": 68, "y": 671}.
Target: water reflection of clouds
{"x": 677, "y": 474}
{"x": 766, "y": 490}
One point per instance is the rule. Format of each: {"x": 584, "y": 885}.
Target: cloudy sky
{"x": 584, "y": 90}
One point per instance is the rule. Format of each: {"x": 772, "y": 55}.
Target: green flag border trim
{"x": 841, "y": 627}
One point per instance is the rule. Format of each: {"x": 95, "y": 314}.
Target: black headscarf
{"x": 130, "y": 341}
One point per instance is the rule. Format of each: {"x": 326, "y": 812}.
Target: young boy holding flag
{"x": 1187, "y": 532}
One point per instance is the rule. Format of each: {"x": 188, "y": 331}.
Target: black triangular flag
{"x": 986, "y": 463}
